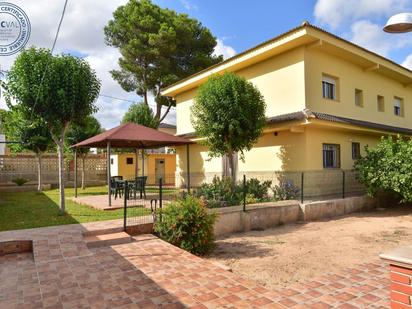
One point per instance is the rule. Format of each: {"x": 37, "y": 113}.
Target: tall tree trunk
{"x": 232, "y": 171}
{"x": 39, "y": 173}
{"x": 83, "y": 170}
{"x": 61, "y": 175}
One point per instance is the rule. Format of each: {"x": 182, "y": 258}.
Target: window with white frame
{"x": 331, "y": 156}
{"x": 329, "y": 85}
{"x": 398, "y": 106}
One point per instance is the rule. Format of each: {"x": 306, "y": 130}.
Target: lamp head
{"x": 399, "y": 23}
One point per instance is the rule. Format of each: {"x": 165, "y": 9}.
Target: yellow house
{"x": 326, "y": 99}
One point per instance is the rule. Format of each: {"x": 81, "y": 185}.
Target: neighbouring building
{"x": 157, "y": 163}
{"x": 326, "y": 98}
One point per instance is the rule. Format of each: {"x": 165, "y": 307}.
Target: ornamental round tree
{"x": 229, "y": 113}
{"x": 29, "y": 134}
{"x": 58, "y": 89}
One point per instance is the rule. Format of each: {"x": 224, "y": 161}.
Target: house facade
{"x": 326, "y": 99}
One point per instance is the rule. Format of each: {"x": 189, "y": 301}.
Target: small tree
{"x": 58, "y": 89}
{"x": 229, "y": 113}
{"x": 30, "y": 134}
{"x": 142, "y": 114}
{"x": 387, "y": 167}
{"x": 78, "y": 132}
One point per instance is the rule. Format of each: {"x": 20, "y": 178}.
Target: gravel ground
{"x": 297, "y": 252}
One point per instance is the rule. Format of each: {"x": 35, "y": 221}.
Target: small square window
{"x": 398, "y": 107}
{"x": 111, "y": 161}
{"x": 129, "y": 160}
{"x": 355, "y": 151}
{"x": 329, "y": 87}
{"x": 331, "y": 156}
{"x": 381, "y": 103}
{"x": 359, "y": 97}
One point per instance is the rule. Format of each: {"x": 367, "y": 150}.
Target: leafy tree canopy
{"x": 31, "y": 134}
{"x": 79, "y": 132}
{"x": 387, "y": 167}
{"x": 142, "y": 114}
{"x": 158, "y": 48}
{"x": 229, "y": 112}
{"x": 66, "y": 93}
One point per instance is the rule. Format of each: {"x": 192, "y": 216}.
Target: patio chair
{"x": 116, "y": 188}
{"x": 140, "y": 185}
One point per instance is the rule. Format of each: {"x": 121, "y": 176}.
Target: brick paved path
{"x": 149, "y": 273}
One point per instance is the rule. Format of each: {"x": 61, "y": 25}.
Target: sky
{"x": 236, "y": 24}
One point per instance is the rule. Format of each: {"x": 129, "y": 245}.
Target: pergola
{"x": 130, "y": 135}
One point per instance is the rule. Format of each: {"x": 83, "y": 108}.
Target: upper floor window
{"x": 331, "y": 156}
{"x": 329, "y": 87}
{"x": 358, "y": 97}
{"x": 355, "y": 150}
{"x": 380, "y": 100}
{"x": 398, "y": 106}
{"x": 129, "y": 160}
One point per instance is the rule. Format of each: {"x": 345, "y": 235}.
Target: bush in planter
{"x": 187, "y": 223}
{"x": 259, "y": 190}
{"x": 20, "y": 181}
{"x": 285, "y": 190}
{"x": 219, "y": 193}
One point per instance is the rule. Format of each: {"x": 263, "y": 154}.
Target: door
{"x": 160, "y": 169}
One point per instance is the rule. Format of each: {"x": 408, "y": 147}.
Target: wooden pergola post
{"x": 108, "y": 173}
{"x": 75, "y": 172}
{"x": 143, "y": 162}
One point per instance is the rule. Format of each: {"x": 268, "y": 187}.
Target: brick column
{"x": 400, "y": 265}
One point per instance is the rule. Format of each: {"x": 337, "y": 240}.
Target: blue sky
{"x": 237, "y": 25}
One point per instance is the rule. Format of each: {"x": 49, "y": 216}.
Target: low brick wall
{"x": 400, "y": 272}
{"x": 266, "y": 215}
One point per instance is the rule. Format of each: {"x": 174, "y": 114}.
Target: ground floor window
{"x": 331, "y": 156}
{"x": 355, "y": 151}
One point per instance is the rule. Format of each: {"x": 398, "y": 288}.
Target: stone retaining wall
{"x": 266, "y": 215}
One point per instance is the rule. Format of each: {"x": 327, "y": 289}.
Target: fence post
{"x": 160, "y": 197}
{"x": 126, "y": 193}
{"x": 244, "y": 192}
{"x": 301, "y": 189}
{"x": 343, "y": 184}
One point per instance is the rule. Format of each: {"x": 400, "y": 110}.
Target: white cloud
{"x": 335, "y": 12}
{"x": 371, "y": 36}
{"x": 225, "y": 50}
{"x": 189, "y": 5}
{"x": 407, "y": 63}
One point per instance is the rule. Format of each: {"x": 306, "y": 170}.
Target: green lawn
{"x": 32, "y": 209}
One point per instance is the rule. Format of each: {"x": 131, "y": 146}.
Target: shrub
{"x": 387, "y": 167}
{"x": 258, "y": 190}
{"x": 285, "y": 190}
{"x": 219, "y": 193}
{"x": 187, "y": 223}
{"x": 20, "y": 181}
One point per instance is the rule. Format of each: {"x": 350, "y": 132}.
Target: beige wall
{"x": 280, "y": 79}
{"x": 353, "y": 77}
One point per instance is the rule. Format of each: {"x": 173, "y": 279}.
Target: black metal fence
{"x": 143, "y": 199}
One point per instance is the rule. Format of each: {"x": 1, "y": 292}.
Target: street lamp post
{"x": 399, "y": 23}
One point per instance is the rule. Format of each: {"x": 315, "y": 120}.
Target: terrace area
{"x": 63, "y": 271}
